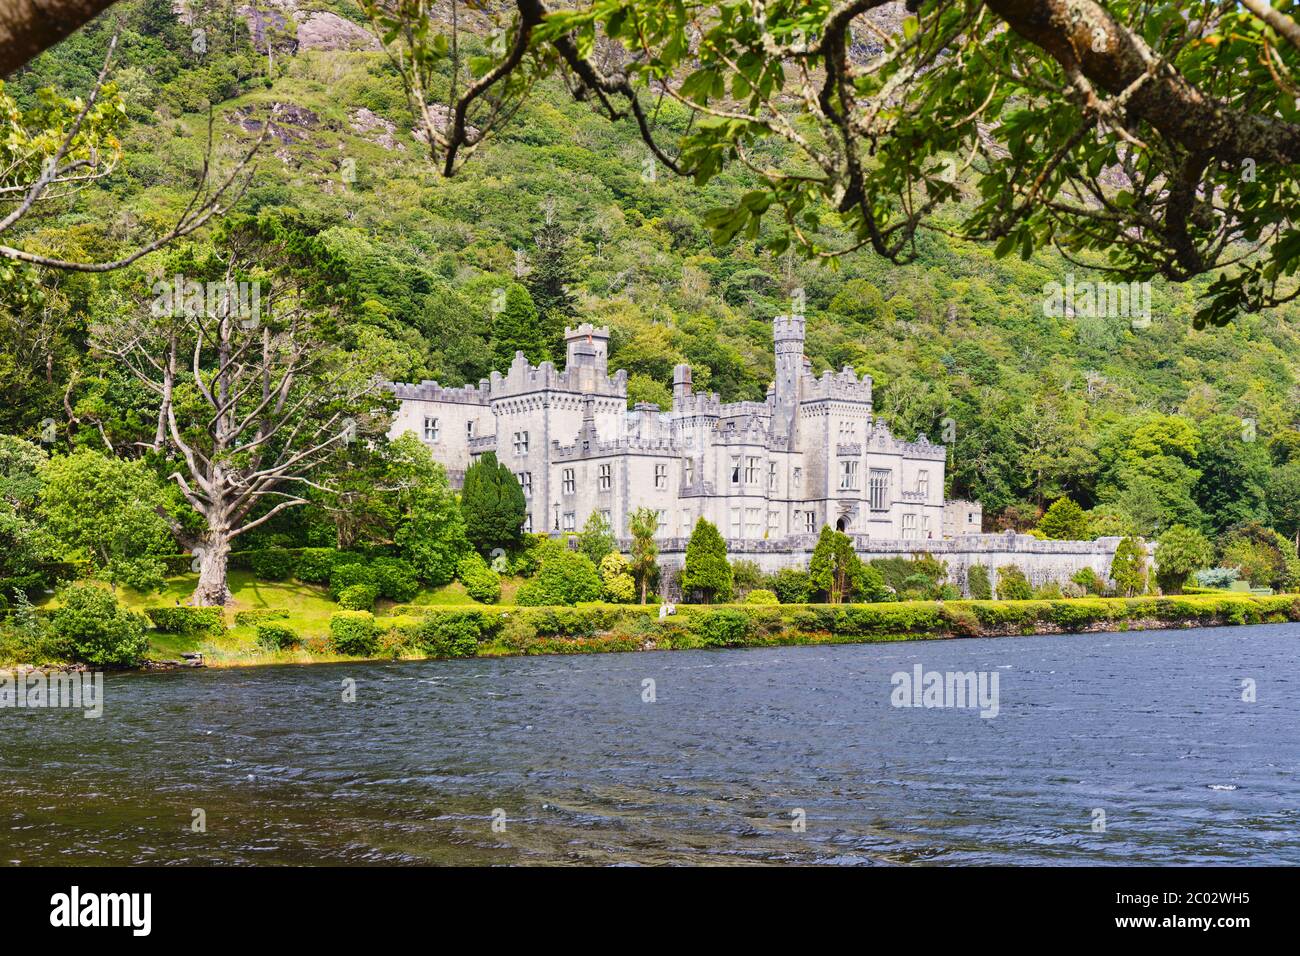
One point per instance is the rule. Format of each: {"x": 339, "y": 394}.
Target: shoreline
{"x": 451, "y": 632}
{"x": 421, "y": 633}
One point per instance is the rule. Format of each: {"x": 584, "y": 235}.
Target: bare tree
{"x": 251, "y": 397}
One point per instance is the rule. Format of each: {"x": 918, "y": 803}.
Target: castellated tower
{"x": 788, "y": 336}
{"x": 587, "y": 345}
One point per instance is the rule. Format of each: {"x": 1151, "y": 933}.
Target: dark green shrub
{"x": 917, "y": 587}
{"x": 97, "y": 630}
{"x": 315, "y": 565}
{"x": 273, "y": 564}
{"x": 358, "y": 597}
{"x": 183, "y": 619}
{"x": 791, "y": 586}
{"x": 566, "y": 577}
{"x": 869, "y": 585}
{"x": 1013, "y": 585}
{"x": 276, "y": 636}
{"x": 456, "y": 633}
{"x": 723, "y": 627}
{"x": 349, "y": 575}
{"x": 354, "y": 632}
{"x": 144, "y": 573}
{"x": 1089, "y": 580}
{"x": 896, "y": 571}
{"x": 481, "y": 582}
{"x": 395, "y": 578}
{"x": 977, "y": 582}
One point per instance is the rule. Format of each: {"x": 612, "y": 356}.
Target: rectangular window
{"x": 604, "y": 480}
{"x": 661, "y": 476}
{"x": 528, "y": 523}
{"x": 525, "y": 481}
{"x": 925, "y": 526}
{"x": 773, "y": 523}
{"x": 909, "y": 526}
{"x": 690, "y": 472}
{"x": 686, "y": 522}
{"x": 810, "y": 522}
{"x": 735, "y": 469}
{"x": 469, "y": 429}
{"x": 661, "y": 524}
{"x": 570, "y": 521}
{"x": 521, "y": 443}
{"x": 848, "y": 475}
{"x": 735, "y": 522}
{"x": 923, "y": 482}
{"x": 752, "y": 528}
{"x": 567, "y": 483}
{"x": 751, "y": 471}
{"x": 771, "y": 476}
{"x": 430, "y": 429}
{"x": 970, "y": 517}
{"x": 606, "y": 517}
{"x": 879, "y": 491}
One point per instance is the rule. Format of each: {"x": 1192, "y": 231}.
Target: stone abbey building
{"x": 812, "y": 454}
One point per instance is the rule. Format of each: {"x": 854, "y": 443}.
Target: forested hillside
{"x": 1143, "y": 426}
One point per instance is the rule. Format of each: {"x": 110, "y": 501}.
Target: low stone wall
{"x": 1041, "y": 561}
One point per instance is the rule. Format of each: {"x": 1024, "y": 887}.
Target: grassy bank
{"x": 448, "y": 624}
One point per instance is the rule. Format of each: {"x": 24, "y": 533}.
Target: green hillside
{"x": 1143, "y": 426}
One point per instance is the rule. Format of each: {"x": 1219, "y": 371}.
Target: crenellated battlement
{"x": 430, "y": 391}
{"x": 697, "y": 405}
{"x": 789, "y": 328}
{"x": 844, "y": 385}
{"x": 880, "y": 439}
{"x": 605, "y": 449}
{"x": 523, "y": 377}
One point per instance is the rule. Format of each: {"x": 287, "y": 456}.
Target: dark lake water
{"x": 1148, "y": 728}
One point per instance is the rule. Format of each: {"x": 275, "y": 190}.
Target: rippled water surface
{"x": 1148, "y": 727}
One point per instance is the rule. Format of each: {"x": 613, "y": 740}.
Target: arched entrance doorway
{"x": 841, "y": 524}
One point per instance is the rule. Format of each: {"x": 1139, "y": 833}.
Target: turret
{"x": 681, "y": 383}
{"x": 787, "y": 336}
{"x": 587, "y": 345}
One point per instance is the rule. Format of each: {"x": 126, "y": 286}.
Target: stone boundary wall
{"x": 1041, "y": 561}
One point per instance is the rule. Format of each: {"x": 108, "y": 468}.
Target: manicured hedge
{"x": 260, "y": 614}
{"x": 591, "y": 628}
{"x": 273, "y": 564}
{"x": 354, "y": 632}
{"x": 596, "y": 626}
{"x": 187, "y": 620}
{"x": 276, "y": 636}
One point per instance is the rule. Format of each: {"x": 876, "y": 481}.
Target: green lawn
{"x": 309, "y": 607}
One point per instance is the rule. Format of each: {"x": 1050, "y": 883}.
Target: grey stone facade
{"x": 813, "y": 453}
{"x": 768, "y": 474}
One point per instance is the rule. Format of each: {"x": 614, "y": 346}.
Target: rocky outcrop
{"x": 375, "y": 128}
{"x": 321, "y": 30}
